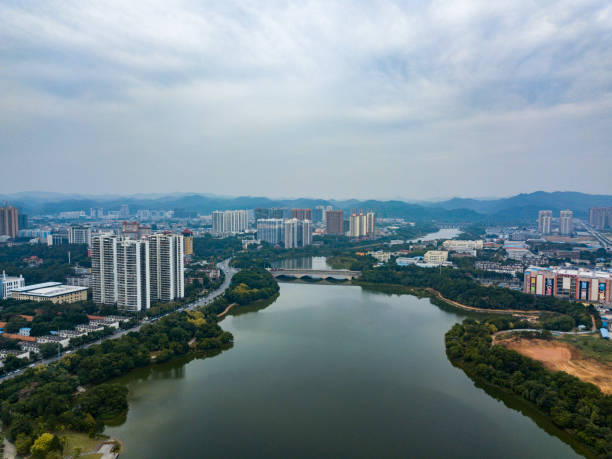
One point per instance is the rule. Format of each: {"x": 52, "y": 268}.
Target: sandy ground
{"x": 560, "y": 356}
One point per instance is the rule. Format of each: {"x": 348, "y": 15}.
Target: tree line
{"x": 458, "y": 286}
{"x": 46, "y": 399}
{"x": 579, "y": 408}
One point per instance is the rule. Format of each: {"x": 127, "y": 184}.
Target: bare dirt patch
{"x": 559, "y": 356}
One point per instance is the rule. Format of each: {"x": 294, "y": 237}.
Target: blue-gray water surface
{"x": 327, "y": 371}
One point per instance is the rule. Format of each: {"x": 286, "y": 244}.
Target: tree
{"x": 48, "y": 350}
{"x": 42, "y": 445}
{"x": 23, "y": 444}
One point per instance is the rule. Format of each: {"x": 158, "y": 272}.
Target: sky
{"x": 330, "y": 99}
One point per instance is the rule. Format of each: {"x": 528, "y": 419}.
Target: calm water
{"x": 444, "y": 233}
{"x": 303, "y": 263}
{"x": 327, "y": 371}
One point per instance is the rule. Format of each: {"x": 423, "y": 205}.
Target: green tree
{"x": 23, "y": 444}
{"x": 42, "y": 445}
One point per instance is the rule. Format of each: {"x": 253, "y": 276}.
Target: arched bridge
{"x": 315, "y": 273}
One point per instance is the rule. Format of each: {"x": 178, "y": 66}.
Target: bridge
{"x": 315, "y": 273}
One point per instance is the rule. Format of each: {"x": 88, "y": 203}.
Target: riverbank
{"x": 581, "y": 409}
{"x": 432, "y": 293}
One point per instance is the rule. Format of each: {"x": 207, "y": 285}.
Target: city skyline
{"x": 417, "y": 101}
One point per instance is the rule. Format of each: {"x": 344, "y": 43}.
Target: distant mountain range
{"x": 519, "y": 208}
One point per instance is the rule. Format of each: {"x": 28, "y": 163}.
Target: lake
{"x": 327, "y": 371}
{"x": 444, "y": 233}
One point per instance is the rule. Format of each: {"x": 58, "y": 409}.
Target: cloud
{"x": 315, "y": 98}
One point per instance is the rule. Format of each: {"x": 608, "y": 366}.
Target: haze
{"x": 344, "y": 99}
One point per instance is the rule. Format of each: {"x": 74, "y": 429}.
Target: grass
{"x": 592, "y": 346}
{"x": 91, "y": 456}
{"x": 82, "y": 441}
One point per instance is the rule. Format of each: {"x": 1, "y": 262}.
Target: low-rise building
{"x": 53, "y": 339}
{"x": 31, "y": 347}
{"x": 20, "y": 354}
{"x": 574, "y": 284}
{"x": 89, "y": 328}
{"x": 8, "y": 284}
{"x": 381, "y": 256}
{"x": 105, "y": 323}
{"x": 436, "y": 257}
{"x": 70, "y": 334}
{"x": 55, "y": 292}
{"x": 457, "y": 245}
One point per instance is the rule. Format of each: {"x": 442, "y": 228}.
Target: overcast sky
{"x": 322, "y": 99}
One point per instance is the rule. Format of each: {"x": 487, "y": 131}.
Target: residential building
{"x": 78, "y": 234}
{"x": 463, "y": 246}
{"x": 54, "y": 292}
{"x": 358, "y": 225}
{"x": 54, "y": 339}
{"x": 381, "y": 256}
{"x": 8, "y": 284}
{"x": 297, "y": 233}
{"x": 318, "y": 214}
{"x": 278, "y": 212}
{"x": 261, "y": 213}
{"x": 133, "y": 275}
{"x": 370, "y": 224}
{"x": 124, "y": 211}
{"x": 544, "y": 221}
{"x": 9, "y": 221}
{"x": 574, "y": 284}
{"x": 167, "y": 270}
{"x": 104, "y": 268}
{"x": 57, "y": 239}
{"x": 600, "y": 217}
{"x": 302, "y": 214}
{"x": 436, "y": 257}
{"x": 22, "y": 221}
{"x": 270, "y": 230}
{"x": 566, "y": 222}
{"x": 334, "y": 221}
{"x": 188, "y": 242}
{"x": 230, "y": 221}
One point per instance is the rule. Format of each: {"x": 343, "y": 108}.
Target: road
{"x": 604, "y": 241}
{"x": 224, "y": 266}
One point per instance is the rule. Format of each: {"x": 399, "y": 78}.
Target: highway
{"x": 604, "y": 241}
{"x": 204, "y": 301}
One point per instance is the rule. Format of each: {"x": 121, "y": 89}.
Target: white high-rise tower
{"x": 166, "y": 253}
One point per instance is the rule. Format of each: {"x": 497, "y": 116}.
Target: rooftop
{"x": 49, "y": 289}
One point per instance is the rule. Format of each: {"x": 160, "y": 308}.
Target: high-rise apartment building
{"x": 370, "y": 224}
{"x": 544, "y": 221}
{"x": 566, "y": 222}
{"x": 302, "y": 214}
{"x": 9, "y": 221}
{"x": 270, "y": 230}
{"x": 262, "y": 213}
{"x": 230, "y": 221}
{"x": 124, "y": 211}
{"x": 166, "y": 253}
{"x": 104, "y": 268}
{"x": 317, "y": 214}
{"x": 297, "y": 233}
{"x": 188, "y": 242}
{"x": 133, "y": 276}
{"x": 600, "y": 217}
{"x": 334, "y": 221}
{"x": 277, "y": 212}
{"x": 358, "y": 224}
{"x": 78, "y": 234}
